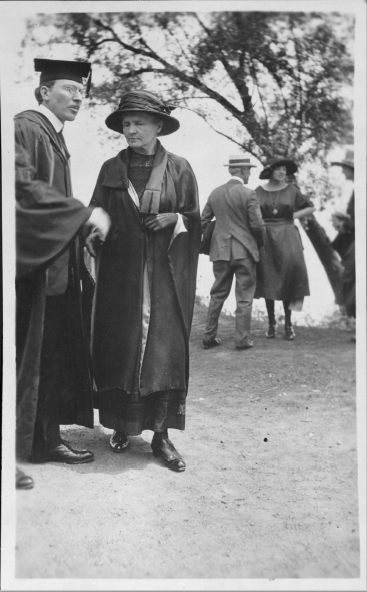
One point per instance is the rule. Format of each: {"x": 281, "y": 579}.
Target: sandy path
{"x": 271, "y": 485}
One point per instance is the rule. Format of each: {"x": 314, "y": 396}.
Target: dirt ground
{"x": 270, "y": 489}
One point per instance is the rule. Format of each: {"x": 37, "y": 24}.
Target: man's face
{"x": 140, "y": 131}
{"x": 63, "y": 99}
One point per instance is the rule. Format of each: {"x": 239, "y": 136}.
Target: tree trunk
{"x": 326, "y": 253}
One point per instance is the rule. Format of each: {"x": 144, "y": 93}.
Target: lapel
{"x": 116, "y": 176}
{"x": 152, "y": 194}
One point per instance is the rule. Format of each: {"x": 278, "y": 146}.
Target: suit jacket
{"x": 239, "y": 225}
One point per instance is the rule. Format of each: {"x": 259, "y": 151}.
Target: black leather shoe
{"x": 271, "y": 332}
{"x": 164, "y": 448}
{"x": 212, "y": 343}
{"x": 289, "y": 333}
{"x": 119, "y": 442}
{"x": 23, "y": 481}
{"x": 248, "y": 345}
{"x": 65, "y": 453}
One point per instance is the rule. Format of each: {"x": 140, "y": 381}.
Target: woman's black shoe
{"x": 119, "y": 442}
{"x": 164, "y": 448}
{"x": 289, "y": 333}
{"x": 270, "y": 334}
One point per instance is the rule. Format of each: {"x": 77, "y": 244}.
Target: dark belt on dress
{"x": 278, "y": 221}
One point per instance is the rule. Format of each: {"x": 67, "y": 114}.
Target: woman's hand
{"x": 303, "y": 213}
{"x": 160, "y": 221}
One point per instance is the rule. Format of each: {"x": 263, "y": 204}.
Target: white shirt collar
{"x": 58, "y": 125}
{"x": 237, "y": 178}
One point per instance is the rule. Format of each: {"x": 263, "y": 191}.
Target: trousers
{"x": 56, "y": 376}
{"x": 245, "y": 272}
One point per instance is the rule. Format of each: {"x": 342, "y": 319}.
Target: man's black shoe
{"x": 212, "y": 343}
{"x": 65, "y": 453}
{"x": 248, "y": 345}
{"x": 23, "y": 481}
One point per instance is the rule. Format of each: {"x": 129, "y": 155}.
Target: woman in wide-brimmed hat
{"x": 146, "y": 279}
{"x": 282, "y": 273}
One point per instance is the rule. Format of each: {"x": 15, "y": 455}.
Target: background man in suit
{"x": 238, "y": 234}
{"x": 53, "y": 371}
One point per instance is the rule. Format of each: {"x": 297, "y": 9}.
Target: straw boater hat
{"x": 348, "y": 161}
{"x": 238, "y": 160}
{"x": 276, "y": 162}
{"x": 146, "y": 102}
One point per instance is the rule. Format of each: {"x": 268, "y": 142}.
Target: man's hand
{"x": 93, "y": 242}
{"x": 160, "y": 221}
{"x": 101, "y": 221}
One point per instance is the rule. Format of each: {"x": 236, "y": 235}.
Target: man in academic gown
{"x": 53, "y": 370}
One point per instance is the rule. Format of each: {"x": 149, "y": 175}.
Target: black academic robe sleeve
{"x": 46, "y": 220}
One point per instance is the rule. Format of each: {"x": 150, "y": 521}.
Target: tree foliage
{"x": 273, "y": 83}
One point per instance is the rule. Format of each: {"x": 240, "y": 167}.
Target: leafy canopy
{"x": 273, "y": 83}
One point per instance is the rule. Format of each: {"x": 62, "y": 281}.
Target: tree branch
{"x": 246, "y": 147}
{"x": 254, "y": 76}
{"x": 173, "y": 71}
{"x": 300, "y": 130}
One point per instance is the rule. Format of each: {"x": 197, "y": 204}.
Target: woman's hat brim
{"x": 170, "y": 124}
{"x": 287, "y": 162}
{"x": 344, "y": 163}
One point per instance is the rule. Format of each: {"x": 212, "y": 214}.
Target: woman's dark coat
{"x": 172, "y": 279}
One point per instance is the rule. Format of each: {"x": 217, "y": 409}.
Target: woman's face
{"x": 140, "y": 131}
{"x": 279, "y": 173}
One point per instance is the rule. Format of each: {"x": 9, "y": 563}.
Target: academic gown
{"x": 47, "y": 226}
{"x": 126, "y": 377}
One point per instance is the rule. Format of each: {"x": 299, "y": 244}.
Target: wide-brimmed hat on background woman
{"x": 347, "y": 161}
{"x": 273, "y": 163}
{"x": 146, "y": 102}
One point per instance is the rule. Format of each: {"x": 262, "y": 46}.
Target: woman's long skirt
{"x": 282, "y": 273}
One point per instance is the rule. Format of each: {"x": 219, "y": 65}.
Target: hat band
{"x": 143, "y": 106}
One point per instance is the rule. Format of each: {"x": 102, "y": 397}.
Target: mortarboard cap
{"x": 63, "y": 69}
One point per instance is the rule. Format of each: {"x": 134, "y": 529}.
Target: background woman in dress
{"x": 146, "y": 278}
{"x": 282, "y": 273}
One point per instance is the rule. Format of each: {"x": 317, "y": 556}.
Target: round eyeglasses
{"x": 73, "y": 90}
